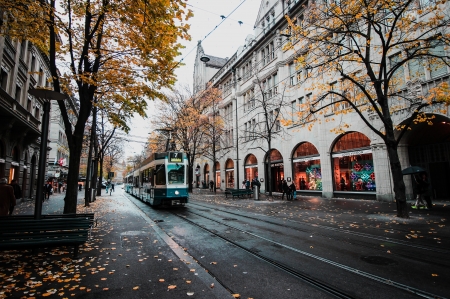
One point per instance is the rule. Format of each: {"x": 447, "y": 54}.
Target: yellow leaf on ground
{"x": 104, "y": 278}
{"x": 434, "y": 275}
{"x": 236, "y": 296}
{"x": 161, "y": 280}
{"x": 171, "y": 287}
{"x": 105, "y": 289}
{"x": 136, "y": 288}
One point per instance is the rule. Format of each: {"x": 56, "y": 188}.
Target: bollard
{"x": 256, "y": 193}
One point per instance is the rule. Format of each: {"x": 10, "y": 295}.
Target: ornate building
{"x": 22, "y": 66}
{"x": 353, "y": 163}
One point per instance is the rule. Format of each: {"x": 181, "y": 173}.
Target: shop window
{"x": 353, "y": 167}
{"x": 307, "y": 172}
{"x": 251, "y": 167}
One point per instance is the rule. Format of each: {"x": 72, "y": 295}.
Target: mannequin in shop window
{"x": 342, "y": 184}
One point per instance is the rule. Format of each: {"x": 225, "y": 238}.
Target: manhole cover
{"x": 378, "y": 260}
{"x": 158, "y": 220}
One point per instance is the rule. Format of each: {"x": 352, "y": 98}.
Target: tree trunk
{"x": 269, "y": 171}
{"x": 70, "y": 200}
{"x": 100, "y": 176}
{"x": 399, "y": 184}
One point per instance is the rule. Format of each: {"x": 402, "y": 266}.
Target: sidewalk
{"x": 126, "y": 257}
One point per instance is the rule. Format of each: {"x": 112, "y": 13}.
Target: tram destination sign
{"x": 175, "y": 157}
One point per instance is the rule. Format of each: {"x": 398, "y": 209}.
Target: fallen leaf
{"x": 171, "y": 287}
{"x": 236, "y": 296}
{"x": 161, "y": 280}
{"x": 136, "y": 288}
{"x": 434, "y": 275}
{"x": 190, "y": 293}
{"x": 212, "y": 286}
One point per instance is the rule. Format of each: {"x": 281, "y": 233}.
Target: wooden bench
{"x": 89, "y": 216}
{"x": 17, "y": 233}
{"x": 238, "y": 192}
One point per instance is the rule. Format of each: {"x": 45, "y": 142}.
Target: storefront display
{"x": 307, "y": 172}
{"x": 251, "y": 167}
{"x": 229, "y": 173}
{"x": 353, "y": 164}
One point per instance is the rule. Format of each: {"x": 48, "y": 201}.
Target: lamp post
{"x": 45, "y": 95}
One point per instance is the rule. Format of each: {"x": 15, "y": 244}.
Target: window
{"x": 398, "y": 78}
{"x": 292, "y": 76}
{"x": 294, "y": 109}
{"x": 438, "y": 67}
{"x": 23, "y": 49}
{"x": 333, "y": 97}
{"x": 277, "y": 120}
{"x": 33, "y": 63}
{"x": 4, "y": 79}
{"x": 416, "y": 70}
{"x": 18, "y": 93}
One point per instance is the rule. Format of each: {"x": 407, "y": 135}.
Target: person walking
{"x": 293, "y": 190}
{"x": 17, "y": 194}
{"x": 211, "y": 186}
{"x": 7, "y": 198}
{"x": 47, "y": 190}
{"x": 285, "y": 190}
{"x": 421, "y": 187}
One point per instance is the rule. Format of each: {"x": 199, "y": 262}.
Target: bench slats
{"x": 20, "y": 232}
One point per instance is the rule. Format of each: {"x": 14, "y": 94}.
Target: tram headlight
{"x": 176, "y": 192}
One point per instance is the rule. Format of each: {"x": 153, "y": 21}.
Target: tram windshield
{"x": 175, "y": 173}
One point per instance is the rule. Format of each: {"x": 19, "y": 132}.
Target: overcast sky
{"x": 222, "y": 41}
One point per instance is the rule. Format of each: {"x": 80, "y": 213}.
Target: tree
{"x": 215, "y": 136}
{"x": 181, "y": 120}
{"x": 367, "y": 46}
{"x": 125, "y": 47}
{"x": 266, "y": 108}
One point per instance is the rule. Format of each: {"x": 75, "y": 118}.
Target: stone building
{"x": 319, "y": 161}
{"x": 23, "y": 67}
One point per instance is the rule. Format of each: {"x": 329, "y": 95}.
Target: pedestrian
{"x": 427, "y": 192}
{"x": 47, "y": 190}
{"x": 211, "y": 185}
{"x": 293, "y": 189}
{"x": 7, "y": 198}
{"x": 285, "y": 190}
{"x": 17, "y": 194}
{"x": 64, "y": 186}
{"x": 247, "y": 184}
{"x": 243, "y": 184}
{"x": 59, "y": 186}
{"x": 80, "y": 186}
{"x": 420, "y": 187}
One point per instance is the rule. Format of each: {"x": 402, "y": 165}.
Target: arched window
{"x": 229, "y": 173}
{"x": 307, "y": 172}
{"x": 353, "y": 168}
{"x": 251, "y": 167}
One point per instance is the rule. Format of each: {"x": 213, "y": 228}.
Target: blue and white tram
{"x": 162, "y": 179}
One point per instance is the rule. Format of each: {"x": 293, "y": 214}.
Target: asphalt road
{"x": 224, "y": 248}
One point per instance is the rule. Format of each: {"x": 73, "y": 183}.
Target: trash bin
{"x": 256, "y": 193}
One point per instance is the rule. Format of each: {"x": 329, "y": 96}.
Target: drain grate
{"x": 378, "y": 260}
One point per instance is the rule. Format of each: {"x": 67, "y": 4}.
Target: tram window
{"x": 175, "y": 173}
{"x": 160, "y": 175}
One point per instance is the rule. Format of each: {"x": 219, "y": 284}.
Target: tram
{"x": 161, "y": 179}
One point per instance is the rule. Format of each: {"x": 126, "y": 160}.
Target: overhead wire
{"x": 214, "y": 29}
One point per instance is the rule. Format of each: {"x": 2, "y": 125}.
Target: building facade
{"x": 23, "y": 67}
{"x": 353, "y": 163}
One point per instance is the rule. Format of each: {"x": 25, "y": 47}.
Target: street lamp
{"x": 45, "y": 95}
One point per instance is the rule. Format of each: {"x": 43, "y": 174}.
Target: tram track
{"x": 327, "y": 288}
{"x": 431, "y": 249}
